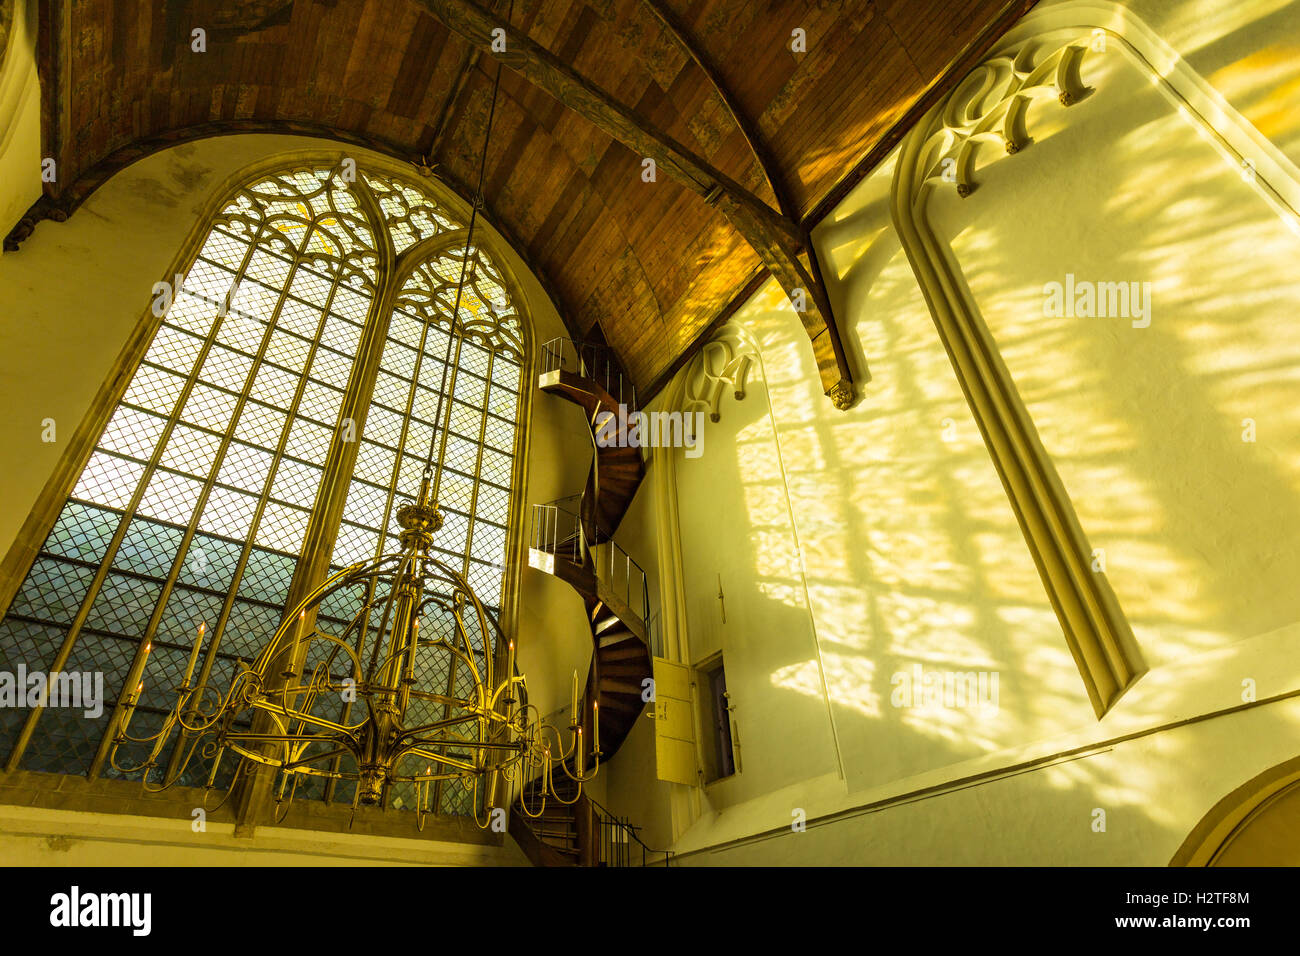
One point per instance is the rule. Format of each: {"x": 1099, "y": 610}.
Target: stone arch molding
{"x": 1041, "y": 58}
{"x": 1254, "y": 825}
{"x": 723, "y": 364}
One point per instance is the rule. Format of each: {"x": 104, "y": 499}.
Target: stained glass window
{"x": 194, "y": 503}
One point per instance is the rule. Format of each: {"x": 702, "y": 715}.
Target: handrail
{"x": 548, "y": 520}
{"x": 629, "y": 565}
{"x": 607, "y": 819}
{"x": 591, "y": 360}
{"x": 559, "y": 531}
{"x": 607, "y": 824}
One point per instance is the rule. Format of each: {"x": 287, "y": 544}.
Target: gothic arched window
{"x": 300, "y": 372}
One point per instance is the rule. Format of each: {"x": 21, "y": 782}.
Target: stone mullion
{"x": 223, "y": 617}
{"x": 254, "y": 795}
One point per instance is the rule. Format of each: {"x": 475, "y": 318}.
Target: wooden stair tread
{"x": 620, "y": 656}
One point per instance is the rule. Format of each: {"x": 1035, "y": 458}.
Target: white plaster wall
{"x": 912, "y": 554}
{"x": 20, "y": 120}
{"x": 1145, "y": 425}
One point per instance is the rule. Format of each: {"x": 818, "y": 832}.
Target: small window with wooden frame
{"x": 717, "y": 748}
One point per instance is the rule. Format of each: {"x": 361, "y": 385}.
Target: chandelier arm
{"x": 443, "y": 758}
{"x": 489, "y": 651}
{"x": 123, "y": 737}
{"x": 272, "y": 649}
{"x": 288, "y": 805}
{"x": 279, "y": 710}
{"x": 501, "y": 688}
{"x": 468, "y": 658}
{"x": 183, "y": 764}
{"x": 474, "y": 801}
{"x": 220, "y": 803}
{"x": 479, "y": 745}
{"x": 170, "y": 719}
{"x": 543, "y": 786}
{"x": 452, "y": 649}
{"x": 294, "y": 753}
{"x": 328, "y": 638}
{"x": 305, "y": 766}
{"x": 197, "y": 711}
{"x": 233, "y": 744}
{"x": 425, "y": 728}
{"x": 559, "y": 744}
{"x": 581, "y": 778}
{"x": 434, "y": 599}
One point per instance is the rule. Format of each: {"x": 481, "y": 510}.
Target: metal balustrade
{"x": 623, "y": 578}
{"x": 618, "y": 843}
{"x": 557, "y": 529}
{"x": 591, "y": 361}
{"x": 655, "y": 636}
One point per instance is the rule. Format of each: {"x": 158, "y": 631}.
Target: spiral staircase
{"x": 572, "y": 539}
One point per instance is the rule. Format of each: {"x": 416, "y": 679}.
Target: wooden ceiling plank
{"x": 748, "y": 128}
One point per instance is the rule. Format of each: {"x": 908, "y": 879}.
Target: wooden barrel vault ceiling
{"x": 647, "y": 267}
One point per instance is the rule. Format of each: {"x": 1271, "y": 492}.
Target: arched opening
{"x": 1258, "y": 824}
{"x": 310, "y": 355}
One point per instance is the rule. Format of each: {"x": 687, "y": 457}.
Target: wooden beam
{"x": 777, "y": 240}
{"x": 965, "y": 61}
{"x": 747, "y": 292}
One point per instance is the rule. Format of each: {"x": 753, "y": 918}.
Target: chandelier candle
{"x": 128, "y": 709}
{"x": 359, "y": 713}
{"x": 136, "y": 677}
{"x": 194, "y": 655}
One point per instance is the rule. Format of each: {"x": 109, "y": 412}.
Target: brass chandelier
{"x": 275, "y": 712}
{"x": 360, "y": 705}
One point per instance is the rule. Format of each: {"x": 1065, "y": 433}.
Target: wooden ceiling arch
{"x": 752, "y": 137}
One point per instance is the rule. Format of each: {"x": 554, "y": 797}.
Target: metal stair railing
{"x": 624, "y": 578}
{"x": 591, "y": 361}
{"x": 654, "y": 636}
{"x": 557, "y": 530}
{"x": 616, "y": 836}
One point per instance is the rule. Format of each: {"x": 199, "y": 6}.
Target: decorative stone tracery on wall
{"x": 1041, "y": 57}
{"x": 991, "y": 105}
{"x": 723, "y": 363}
